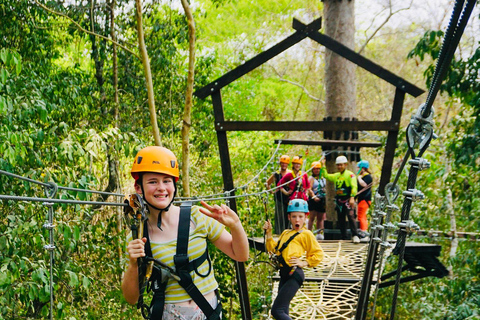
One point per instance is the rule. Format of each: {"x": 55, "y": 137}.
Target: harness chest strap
{"x": 182, "y": 268}
{"x": 280, "y": 257}
{"x": 182, "y": 274}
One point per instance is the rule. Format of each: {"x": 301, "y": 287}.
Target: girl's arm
{"x": 361, "y": 182}
{"x": 235, "y": 243}
{"x": 309, "y": 190}
{"x": 314, "y": 251}
{"x": 130, "y": 290}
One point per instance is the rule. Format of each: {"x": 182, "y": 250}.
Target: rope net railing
{"x": 330, "y": 290}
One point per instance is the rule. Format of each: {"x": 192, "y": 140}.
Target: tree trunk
{"x": 115, "y": 62}
{"x": 187, "y": 119}
{"x": 99, "y": 63}
{"x": 453, "y": 223}
{"x": 340, "y": 81}
{"x": 148, "y": 74}
{"x": 119, "y": 213}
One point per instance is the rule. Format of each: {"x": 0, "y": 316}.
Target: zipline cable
{"x": 452, "y": 38}
{"x": 420, "y": 133}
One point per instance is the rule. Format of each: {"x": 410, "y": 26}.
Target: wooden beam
{"x": 258, "y": 60}
{"x": 360, "y": 60}
{"x": 307, "y": 125}
{"x": 240, "y": 273}
{"x": 333, "y": 143}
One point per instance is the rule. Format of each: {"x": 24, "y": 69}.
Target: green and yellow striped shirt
{"x": 201, "y": 229}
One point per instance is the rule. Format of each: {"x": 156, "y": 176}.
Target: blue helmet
{"x": 363, "y": 164}
{"x": 297, "y": 205}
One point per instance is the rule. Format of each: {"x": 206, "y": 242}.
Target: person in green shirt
{"x": 345, "y": 191}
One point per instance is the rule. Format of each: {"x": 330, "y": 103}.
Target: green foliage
{"x": 57, "y": 124}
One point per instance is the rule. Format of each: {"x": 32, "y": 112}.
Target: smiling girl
{"x": 156, "y": 173}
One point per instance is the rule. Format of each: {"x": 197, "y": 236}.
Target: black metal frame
{"x": 421, "y": 259}
{"x": 392, "y": 126}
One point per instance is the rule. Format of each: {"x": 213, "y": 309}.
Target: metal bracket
{"x": 420, "y": 129}
{"x": 408, "y": 226}
{"x": 414, "y": 194}
{"x": 419, "y": 163}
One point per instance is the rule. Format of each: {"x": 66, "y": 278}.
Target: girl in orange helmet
{"x": 156, "y": 173}
{"x": 297, "y": 188}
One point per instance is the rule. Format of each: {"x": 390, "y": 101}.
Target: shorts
{"x": 176, "y": 312}
{"x": 318, "y": 206}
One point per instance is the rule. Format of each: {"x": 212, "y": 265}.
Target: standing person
{"x": 296, "y": 188}
{"x": 364, "y": 196}
{"x": 281, "y": 200}
{"x": 155, "y": 171}
{"x": 317, "y": 201}
{"x": 346, "y": 189}
{"x": 291, "y": 246}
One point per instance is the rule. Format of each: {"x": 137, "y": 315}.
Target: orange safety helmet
{"x": 285, "y": 159}
{"x": 155, "y": 159}
{"x": 297, "y": 159}
{"x": 316, "y": 165}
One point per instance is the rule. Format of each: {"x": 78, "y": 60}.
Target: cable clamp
{"x": 419, "y": 163}
{"x": 390, "y": 226}
{"x": 48, "y": 204}
{"x": 392, "y": 208}
{"x": 49, "y": 247}
{"x": 386, "y": 244}
{"x": 408, "y": 226}
{"x": 414, "y": 194}
{"x": 377, "y": 240}
{"x": 49, "y": 226}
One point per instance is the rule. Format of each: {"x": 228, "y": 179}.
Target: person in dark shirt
{"x": 364, "y": 196}
{"x": 281, "y": 200}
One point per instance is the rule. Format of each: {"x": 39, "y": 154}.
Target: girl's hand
{"x": 136, "y": 249}
{"x": 297, "y": 262}
{"x": 222, "y": 214}
{"x": 267, "y": 226}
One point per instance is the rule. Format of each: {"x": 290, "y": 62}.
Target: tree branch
{"x": 85, "y": 30}
{"x": 391, "y": 14}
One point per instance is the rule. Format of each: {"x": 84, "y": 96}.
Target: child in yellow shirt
{"x": 291, "y": 246}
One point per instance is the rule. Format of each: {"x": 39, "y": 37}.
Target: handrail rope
{"x": 46, "y": 184}
{"x": 198, "y": 199}
{"x": 249, "y": 182}
{"x": 23, "y": 178}
{"x": 18, "y": 198}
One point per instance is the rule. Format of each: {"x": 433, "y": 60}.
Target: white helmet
{"x": 341, "y": 159}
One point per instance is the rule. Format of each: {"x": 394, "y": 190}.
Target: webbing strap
{"x": 286, "y": 242}
{"x": 182, "y": 265}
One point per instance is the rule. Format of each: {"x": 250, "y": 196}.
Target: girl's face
{"x": 297, "y": 219}
{"x": 159, "y": 189}
{"x": 316, "y": 171}
{"x": 296, "y": 166}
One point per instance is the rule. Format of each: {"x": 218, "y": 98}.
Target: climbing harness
{"x": 277, "y": 258}
{"x": 154, "y": 275}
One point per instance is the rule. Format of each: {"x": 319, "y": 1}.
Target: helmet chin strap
{"x": 159, "y": 220}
